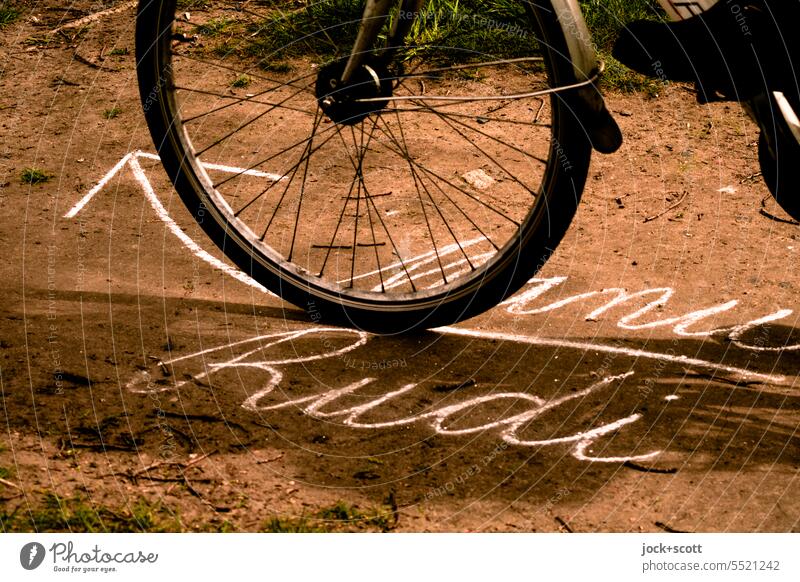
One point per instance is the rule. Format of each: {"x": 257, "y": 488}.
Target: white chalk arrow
{"x": 131, "y": 160}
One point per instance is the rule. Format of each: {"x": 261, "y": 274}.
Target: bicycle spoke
{"x": 308, "y": 151}
{"x": 493, "y": 138}
{"x": 458, "y": 188}
{"x": 417, "y": 182}
{"x": 488, "y": 156}
{"x": 441, "y": 214}
{"x": 249, "y": 123}
{"x": 317, "y": 120}
{"x": 329, "y": 248}
{"x": 356, "y": 165}
{"x": 267, "y": 159}
{"x": 360, "y": 178}
{"x": 248, "y": 72}
{"x": 475, "y": 118}
{"x": 237, "y": 101}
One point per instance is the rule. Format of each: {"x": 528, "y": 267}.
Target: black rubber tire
{"x": 779, "y": 170}
{"x": 548, "y": 221}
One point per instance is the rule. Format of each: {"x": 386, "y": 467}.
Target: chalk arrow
{"x": 131, "y": 160}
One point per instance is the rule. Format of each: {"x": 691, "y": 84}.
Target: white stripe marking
{"x": 586, "y": 346}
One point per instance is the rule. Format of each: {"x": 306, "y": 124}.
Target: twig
{"x": 750, "y": 179}
{"x": 453, "y": 386}
{"x": 180, "y": 479}
{"x": 195, "y": 493}
{"x": 720, "y": 379}
{"x": 673, "y": 207}
{"x": 637, "y": 467}
{"x": 96, "y": 16}
{"x": 182, "y": 466}
{"x": 272, "y": 460}
{"x": 395, "y": 510}
{"x": 667, "y": 528}
{"x": 564, "y": 524}
{"x": 89, "y": 63}
{"x": 10, "y": 484}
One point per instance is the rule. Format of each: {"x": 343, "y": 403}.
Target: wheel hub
{"x": 343, "y": 103}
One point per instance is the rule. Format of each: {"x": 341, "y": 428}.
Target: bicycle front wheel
{"x": 425, "y": 191}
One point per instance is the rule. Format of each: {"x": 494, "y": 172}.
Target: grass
{"x": 120, "y": 52}
{"x": 442, "y": 24}
{"x": 34, "y": 176}
{"x": 193, "y": 4}
{"x": 241, "y": 82}
{"x": 474, "y": 26}
{"x": 5, "y": 473}
{"x": 54, "y": 514}
{"x": 112, "y": 113}
{"x": 76, "y": 515}
{"x": 8, "y": 15}
{"x": 217, "y": 27}
{"x": 340, "y": 517}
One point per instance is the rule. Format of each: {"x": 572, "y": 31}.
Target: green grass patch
{"x": 445, "y": 31}
{"x": 112, "y": 113}
{"x": 340, "y": 517}
{"x": 8, "y": 15}
{"x": 75, "y": 514}
{"x": 217, "y": 27}
{"x": 34, "y": 176}
{"x": 5, "y": 473}
{"x": 120, "y": 52}
{"x": 241, "y": 82}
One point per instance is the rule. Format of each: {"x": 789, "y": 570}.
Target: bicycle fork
{"x": 603, "y": 131}
{"x": 375, "y": 14}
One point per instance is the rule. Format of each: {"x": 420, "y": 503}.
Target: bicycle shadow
{"x": 519, "y": 416}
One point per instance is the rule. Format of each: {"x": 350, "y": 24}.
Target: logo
{"x": 32, "y": 555}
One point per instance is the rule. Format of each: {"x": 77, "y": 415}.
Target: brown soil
{"x": 100, "y": 309}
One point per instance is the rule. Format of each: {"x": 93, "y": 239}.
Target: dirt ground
{"x": 647, "y": 380}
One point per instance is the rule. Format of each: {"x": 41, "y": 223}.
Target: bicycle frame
{"x": 603, "y": 131}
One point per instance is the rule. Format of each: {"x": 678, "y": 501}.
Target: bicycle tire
{"x": 777, "y": 157}
{"x": 161, "y": 27}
